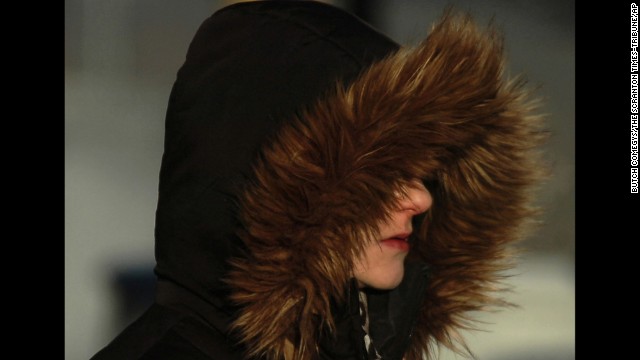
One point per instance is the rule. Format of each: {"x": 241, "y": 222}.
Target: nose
{"x": 417, "y": 200}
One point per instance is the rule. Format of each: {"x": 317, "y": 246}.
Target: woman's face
{"x": 381, "y": 266}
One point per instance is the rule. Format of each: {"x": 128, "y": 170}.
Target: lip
{"x": 398, "y": 241}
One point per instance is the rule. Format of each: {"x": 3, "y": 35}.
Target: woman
{"x": 327, "y": 194}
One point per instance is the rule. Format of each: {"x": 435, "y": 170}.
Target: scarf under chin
{"x": 372, "y": 353}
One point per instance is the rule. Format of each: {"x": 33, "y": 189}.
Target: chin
{"x": 388, "y": 281}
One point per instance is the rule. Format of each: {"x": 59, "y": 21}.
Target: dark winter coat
{"x": 290, "y": 127}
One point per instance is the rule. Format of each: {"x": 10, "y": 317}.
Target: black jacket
{"x": 289, "y": 127}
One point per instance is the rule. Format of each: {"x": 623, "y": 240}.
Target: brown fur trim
{"x": 441, "y": 112}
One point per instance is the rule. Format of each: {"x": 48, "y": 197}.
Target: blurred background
{"x": 121, "y": 58}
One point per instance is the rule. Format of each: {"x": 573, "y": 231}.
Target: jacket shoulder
{"x": 162, "y": 333}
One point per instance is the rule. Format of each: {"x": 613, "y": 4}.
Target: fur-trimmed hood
{"x": 276, "y": 222}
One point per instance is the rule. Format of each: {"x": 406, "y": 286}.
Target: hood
{"x": 292, "y": 126}
{"x": 249, "y": 68}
